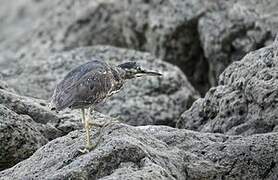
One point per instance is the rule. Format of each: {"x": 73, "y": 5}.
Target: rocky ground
{"x": 212, "y": 115}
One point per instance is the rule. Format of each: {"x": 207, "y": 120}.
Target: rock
{"x": 245, "y": 102}
{"x": 169, "y": 30}
{"x": 17, "y": 17}
{"x": 34, "y": 108}
{"x": 31, "y": 59}
{"x": 4, "y": 85}
{"x": 51, "y": 125}
{"x": 181, "y": 32}
{"x": 26, "y": 124}
{"x": 235, "y": 28}
{"x": 152, "y": 152}
{"x": 19, "y": 137}
{"x": 151, "y": 100}
{"x": 171, "y": 34}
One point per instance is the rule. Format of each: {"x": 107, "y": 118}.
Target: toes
{"x": 83, "y": 151}
{"x": 87, "y": 148}
{"x": 91, "y": 147}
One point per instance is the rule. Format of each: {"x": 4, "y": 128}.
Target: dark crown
{"x": 128, "y": 65}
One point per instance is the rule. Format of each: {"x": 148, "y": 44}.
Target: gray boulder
{"x": 51, "y": 125}
{"x": 235, "y": 28}
{"x": 19, "y": 137}
{"x": 26, "y": 124}
{"x": 201, "y": 37}
{"x": 245, "y": 102}
{"x": 33, "y": 109}
{"x": 171, "y": 34}
{"x": 18, "y": 17}
{"x": 152, "y": 152}
{"x": 149, "y": 100}
{"x": 4, "y": 85}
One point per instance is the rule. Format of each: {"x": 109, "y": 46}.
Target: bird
{"x": 90, "y": 84}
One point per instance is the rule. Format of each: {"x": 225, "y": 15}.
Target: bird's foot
{"x": 87, "y": 149}
{"x": 90, "y": 147}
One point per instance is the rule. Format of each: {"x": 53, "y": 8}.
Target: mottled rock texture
{"x": 79, "y": 23}
{"x": 153, "y": 152}
{"x": 245, "y": 102}
{"x": 202, "y": 37}
{"x": 234, "y": 29}
{"x": 18, "y": 17}
{"x": 40, "y": 41}
{"x": 26, "y": 124}
{"x": 19, "y": 137}
{"x": 71, "y": 24}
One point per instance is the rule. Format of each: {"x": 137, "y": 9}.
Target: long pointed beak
{"x": 148, "y": 73}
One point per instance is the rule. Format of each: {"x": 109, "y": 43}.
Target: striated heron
{"x": 91, "y": 83}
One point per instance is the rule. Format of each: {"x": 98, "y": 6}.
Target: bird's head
{"x": 133, "y": 70}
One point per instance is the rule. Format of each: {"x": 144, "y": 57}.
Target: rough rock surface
{"x": 235, "y": 28}
{"x": 38, "y": 45}
{"x": 4, "y": 85}
{"x": 148, "y": 100}
{"x": 162, "y": 28}
{"x": 201, "y": 37}
{"x": 19, "y": 137}
{"x": 245, "y": 102}
{"x": 152, "y": 152}
{"x": 26, "y": 124}
{"x": 17, "y": 17}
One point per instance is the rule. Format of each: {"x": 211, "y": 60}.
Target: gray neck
{"x": 125, "y": 74}
{"x": 119, "y": 74}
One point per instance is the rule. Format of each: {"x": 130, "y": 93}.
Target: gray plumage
{"x": 92, "y": 82}
{"x": 87, "y": 85}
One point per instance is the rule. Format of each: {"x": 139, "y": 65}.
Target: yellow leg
{"x": 85, "y": 120}
{"x": 83, "y": 115}
{"x": 87, "y": 128}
